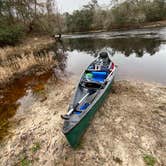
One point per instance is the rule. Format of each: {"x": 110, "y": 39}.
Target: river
{"x": 139, "y": 54}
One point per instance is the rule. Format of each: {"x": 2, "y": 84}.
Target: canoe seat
{"x": 82, "y": 108}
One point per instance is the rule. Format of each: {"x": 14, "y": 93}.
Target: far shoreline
{"x": 148, "y": 25}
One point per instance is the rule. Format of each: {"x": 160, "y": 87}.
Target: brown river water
{"x": 139, "y": 54}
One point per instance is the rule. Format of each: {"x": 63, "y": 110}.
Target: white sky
{"x": 70, "y": 5}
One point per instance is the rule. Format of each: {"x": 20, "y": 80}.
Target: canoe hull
{"x": 74, "y": 135}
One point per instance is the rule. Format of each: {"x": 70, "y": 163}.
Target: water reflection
{"x": 12, "y": 93}
{"x": 126, "y": 46}
{"x": 140, "y": 55}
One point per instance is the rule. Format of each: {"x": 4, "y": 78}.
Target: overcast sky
{"x": 70, "y": 5}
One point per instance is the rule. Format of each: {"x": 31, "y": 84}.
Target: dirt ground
{"x": 128, "y": 130}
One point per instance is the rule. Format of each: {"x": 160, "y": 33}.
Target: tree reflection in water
{"x": 126, "y": 46}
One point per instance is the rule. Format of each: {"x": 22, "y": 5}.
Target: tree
{"x": 34, "y": 16}
{"x": 92, "y": 5}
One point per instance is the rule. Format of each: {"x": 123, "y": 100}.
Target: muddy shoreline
{"x": 134, "y": 113}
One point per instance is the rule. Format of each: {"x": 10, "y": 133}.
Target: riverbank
{"x": 30, "y": 43}
{"x": 156, "y": 24}
{"x": 129, "y": 129}
{"x": 33, "y": 54}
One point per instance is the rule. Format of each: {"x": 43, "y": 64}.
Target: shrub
{"x": 10, "y": 35}
{"x": 149, "y": 160}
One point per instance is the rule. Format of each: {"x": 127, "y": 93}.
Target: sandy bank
{"x": 130, "y": 125}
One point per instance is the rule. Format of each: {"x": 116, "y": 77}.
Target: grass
{"x": 36, "y": 147}
{"x": 149, "y": 160}
{"x": 24, "y": 159}
{"x": 25, "y": 162}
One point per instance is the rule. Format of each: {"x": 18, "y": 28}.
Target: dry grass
{"x": 34, "y": 51}
{"x": 31, "y": 43}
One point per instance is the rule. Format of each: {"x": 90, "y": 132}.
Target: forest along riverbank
{"x": 126, "y": 27}
{"x": 129, "y": 129}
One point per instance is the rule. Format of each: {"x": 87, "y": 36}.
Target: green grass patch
{"x": 25, "y": 162}
{"x": 36, "y": 147}
{"x": 149, "y": 160}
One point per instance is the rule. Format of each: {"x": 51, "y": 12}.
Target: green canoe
{"x": 93, "y": 88}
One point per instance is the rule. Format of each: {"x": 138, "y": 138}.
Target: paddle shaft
{"x": 78, "y": 104}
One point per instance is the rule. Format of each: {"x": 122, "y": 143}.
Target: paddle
{"x": 67, "y": 116}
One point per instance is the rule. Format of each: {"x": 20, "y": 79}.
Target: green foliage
{"x": 11, "y": 34}
{"x": 135, "y": 12}
{"x": 130, "y": 12}
{"x": 149, "y": 160}
{"x": 25, "y": 162}
{"x": 156, "y": 10}
{"x": 99, "y": 17}
{"x": 36, "y": 147}
{"x": 32, "y": 16}
{"x": 80, "y": 20}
